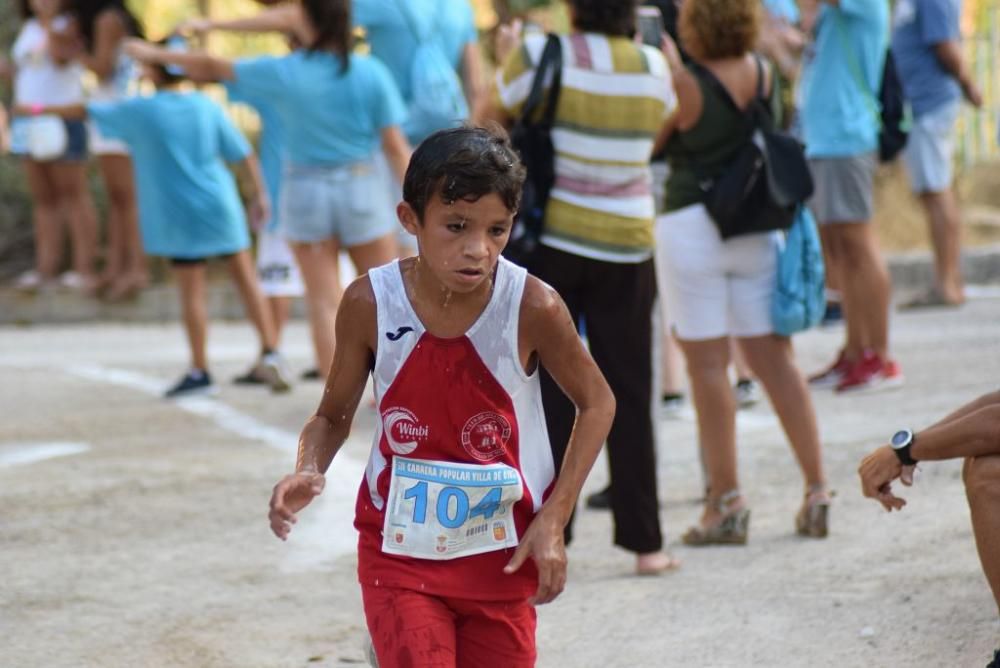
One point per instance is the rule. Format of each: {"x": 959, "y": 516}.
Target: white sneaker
{"x": 747, "y": 393}
{"x": 671, "y": 408}
{"x": 273, "y": 369}
{"x": 76, "y": 281}
{"x": 29, "y": 281}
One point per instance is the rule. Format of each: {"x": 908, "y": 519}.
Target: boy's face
{"x": 461, "y": 241}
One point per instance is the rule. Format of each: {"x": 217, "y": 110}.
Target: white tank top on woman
{"x": 40, "y": 80}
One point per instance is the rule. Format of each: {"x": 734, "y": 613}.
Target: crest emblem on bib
{"x": 485, "y": 436}
{"x": 403, "y": 430}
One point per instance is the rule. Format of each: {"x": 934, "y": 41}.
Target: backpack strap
{"x": 551, "y": 61}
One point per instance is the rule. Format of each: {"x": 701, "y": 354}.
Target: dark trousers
{"x": 614, "y": 303}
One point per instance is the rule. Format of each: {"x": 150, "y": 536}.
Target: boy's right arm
{"x": 326, "y": 431}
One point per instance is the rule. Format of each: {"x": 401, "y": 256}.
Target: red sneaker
{"x": 833, "y": 375}
{"x": 870, "y": 373}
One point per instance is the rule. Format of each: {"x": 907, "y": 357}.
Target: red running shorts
{"x": 414, "y": 630}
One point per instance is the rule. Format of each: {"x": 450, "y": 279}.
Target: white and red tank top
{"x": 454, "y": 412}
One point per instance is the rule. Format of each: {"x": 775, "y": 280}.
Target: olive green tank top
{"x": 704, "y": 151}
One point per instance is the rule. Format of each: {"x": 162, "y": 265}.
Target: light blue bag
{"x": 438, "y": 101}
{"x": 800, "y": 294}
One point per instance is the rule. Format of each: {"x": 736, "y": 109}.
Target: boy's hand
{"x": 543, "y": 542}
{"x": 293, "y": 493}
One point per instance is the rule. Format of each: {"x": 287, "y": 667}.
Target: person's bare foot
{"x": 655, "y": 563}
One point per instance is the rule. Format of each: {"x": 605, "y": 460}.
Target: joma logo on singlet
{"x": 398, "y": 334}
{"x": 403, "y": 430}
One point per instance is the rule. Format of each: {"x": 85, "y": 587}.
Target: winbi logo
{"x": 403, "y": 430}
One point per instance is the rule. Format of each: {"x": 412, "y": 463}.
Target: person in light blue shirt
{"x": 338, "y": 109}
{"x": 842, "y": 76}
{"x": 181, "y": 141}
{"x": 277, "y": 270}
{"x": 460, "y": 41}
{"x": 456, "y": 30}
{"x": 926, "y": 44}
{"x": 189, "y": 205}
{"x": 841, "y": 119}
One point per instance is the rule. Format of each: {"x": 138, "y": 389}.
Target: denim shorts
{"x": 348, "y": 203}
{"x": 76, "y": 139}
{"x": 930, "y": 149}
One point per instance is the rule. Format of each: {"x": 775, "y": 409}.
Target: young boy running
{"x": 460, "y": 489}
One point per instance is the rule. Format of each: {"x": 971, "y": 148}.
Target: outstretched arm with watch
{"x": 971, "y": 431}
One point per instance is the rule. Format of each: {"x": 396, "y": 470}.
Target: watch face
{"x": 900, "y": 438}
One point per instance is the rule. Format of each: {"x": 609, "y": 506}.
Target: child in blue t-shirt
{"x": 189, "y": 205}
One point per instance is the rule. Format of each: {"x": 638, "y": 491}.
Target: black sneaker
{"x": 600, "y": 500}
{"x": 310, "y": 374}
{"x": 251, "y": 377}
{"x": 995, "y": 663}
{"x": 193, "y": 384}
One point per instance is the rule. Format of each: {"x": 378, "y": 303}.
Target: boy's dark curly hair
{"x": 608, "y": 17}
{"x": 464, "y": 163}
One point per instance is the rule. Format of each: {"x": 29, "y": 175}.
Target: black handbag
{"x": 767, "y": 180}
{"x": 532, "y": 139}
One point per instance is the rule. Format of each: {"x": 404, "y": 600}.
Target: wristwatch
{"x": 901, "y": 443}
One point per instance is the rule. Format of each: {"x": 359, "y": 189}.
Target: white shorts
{"x": 930, "y": 149}
{"x": 276, "y": 267}
{"x": 713, "y": 288}
{"x": 101, "y": 145}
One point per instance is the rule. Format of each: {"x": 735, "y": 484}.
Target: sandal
{"x": 929, "y": 299}
{"x": 732, "y": 529}
{"x": 814, "y": 517}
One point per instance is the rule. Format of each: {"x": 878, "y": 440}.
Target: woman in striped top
{"x": 597, "y": 245}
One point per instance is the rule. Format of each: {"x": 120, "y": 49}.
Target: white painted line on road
{"x": 18, "y": 454}
{"x": 982, "y": 291}
{"x": 325, "y": 531}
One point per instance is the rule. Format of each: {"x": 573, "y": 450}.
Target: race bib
{"x": 444, "y": 510}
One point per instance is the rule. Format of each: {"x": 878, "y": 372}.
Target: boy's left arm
{"x": 549, "y": 332}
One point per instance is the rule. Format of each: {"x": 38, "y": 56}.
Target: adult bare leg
{"x": 374, "y": 254}
{"x": 78, "y": 209}
{"x": 982, "y": 487}
{"x": 280, "y": 308}
{"x": 47, "y": 218}
{"x": 707, "y": 366}
{"x": 865, "y": 286}
{"x": 772, "y": 360}
{"x": 244, "y": 275}
{"x": 125, "y": 272}
{"x": 319, "y": 265}
{"x": 944, "y": 221}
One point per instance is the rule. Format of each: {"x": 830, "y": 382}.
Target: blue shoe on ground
{"x": 194, "y": 383}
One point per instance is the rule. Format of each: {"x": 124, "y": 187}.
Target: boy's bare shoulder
{"x": 358, "y": 306}
{"x": 541, "y": 305}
